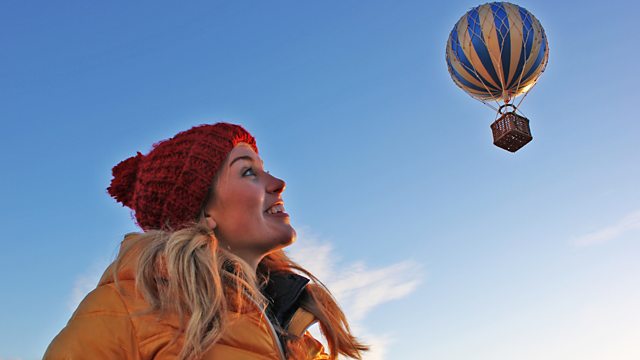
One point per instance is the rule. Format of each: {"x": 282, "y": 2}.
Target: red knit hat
{"x": 167, "y": 187}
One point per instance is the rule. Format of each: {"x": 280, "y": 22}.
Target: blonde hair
{"x": 186, "y": 273}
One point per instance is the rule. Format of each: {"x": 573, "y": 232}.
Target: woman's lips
{"x": 280, "y": 214}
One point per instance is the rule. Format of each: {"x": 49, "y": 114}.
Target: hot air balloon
{"x": 495, "y": 53}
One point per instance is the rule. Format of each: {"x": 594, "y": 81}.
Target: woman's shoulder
{"x": 100, "y": 325}
{"x": 111, "y": 298}
{"x": 113, "y": 319}
{"x": 104, "y": 299}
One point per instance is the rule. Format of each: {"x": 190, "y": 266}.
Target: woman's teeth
{"x": 275, "y": 209}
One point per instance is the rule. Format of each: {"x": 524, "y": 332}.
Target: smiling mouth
{"x": 277, "y": 210}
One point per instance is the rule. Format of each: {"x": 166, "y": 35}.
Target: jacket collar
{"x": 284, "y": 291}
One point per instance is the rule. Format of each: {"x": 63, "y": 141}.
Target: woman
{"x": 208, "y": 277}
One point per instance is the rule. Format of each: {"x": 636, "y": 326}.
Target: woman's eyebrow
{"x": 244, "y": 157}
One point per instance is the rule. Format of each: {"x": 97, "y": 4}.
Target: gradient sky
{"x": 439, "y": 244}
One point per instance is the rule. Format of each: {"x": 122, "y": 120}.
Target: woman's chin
{"x": 287, "y": 239}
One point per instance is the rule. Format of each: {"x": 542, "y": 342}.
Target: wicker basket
{"x": 511, "y": 131}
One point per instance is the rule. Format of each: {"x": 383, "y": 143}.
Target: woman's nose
{"x": 276, "y": 185}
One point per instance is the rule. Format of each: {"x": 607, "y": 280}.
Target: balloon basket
{"x": 511, "y": 131}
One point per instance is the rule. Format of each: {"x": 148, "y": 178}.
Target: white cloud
{"x": 86, "y": 282}
{"x": 628, "y": 223}
{"x": 358, "y": 288}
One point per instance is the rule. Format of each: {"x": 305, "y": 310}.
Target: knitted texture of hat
{"x": 167, "y": 187}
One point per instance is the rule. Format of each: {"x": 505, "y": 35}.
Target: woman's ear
{"x": 211, "y": 223}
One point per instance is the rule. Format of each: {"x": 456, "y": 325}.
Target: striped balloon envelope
{"x": 497, "y": 51}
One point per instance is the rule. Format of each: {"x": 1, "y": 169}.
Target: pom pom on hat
{"x": 124, "y": 179}
{"x": 167, "y": 187}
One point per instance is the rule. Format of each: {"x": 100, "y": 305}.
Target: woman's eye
{"x": 247, "y": 171}
{"x": 250, "y": 171}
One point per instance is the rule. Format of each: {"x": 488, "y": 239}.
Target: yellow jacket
{"x": 102, "y": 328}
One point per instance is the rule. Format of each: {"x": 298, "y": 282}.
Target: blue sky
{"x": 467, "y": 251}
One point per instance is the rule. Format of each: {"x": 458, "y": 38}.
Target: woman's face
{"x": 242, "y": 206}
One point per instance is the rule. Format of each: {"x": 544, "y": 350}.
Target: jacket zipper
{"x": 274, "y": 335}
